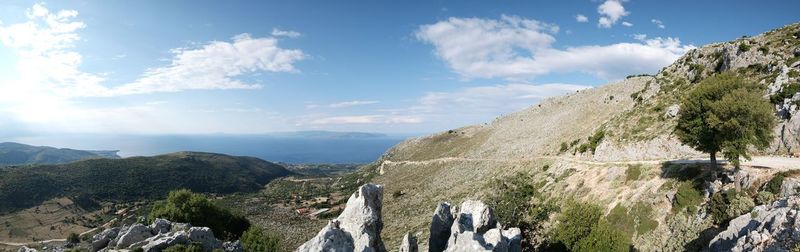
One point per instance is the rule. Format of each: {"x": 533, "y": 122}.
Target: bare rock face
{"x": 477, "y": 229}
{"x": 158, "y": 236}
{"x": 358, "y": 228}
{"x": 440, "y": 228}
{"x": 409, "y": 243}
{"x": 774, "y": 227}
{"x": 101, "y": 240}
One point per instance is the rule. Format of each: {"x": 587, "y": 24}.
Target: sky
{"x": 398, "y": 67}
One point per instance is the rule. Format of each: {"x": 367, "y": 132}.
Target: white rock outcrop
{"x": 158, "y": 236}
{"x": 774, "y": 227}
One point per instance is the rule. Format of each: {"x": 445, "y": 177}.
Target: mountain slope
{"x": 22, "y": 154}
{"x": 135, "y": 178}
{"x": 575, "y": 146}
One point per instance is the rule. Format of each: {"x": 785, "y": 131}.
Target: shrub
{"x": 564, "y": 147}
{"x": 511, "y": 199}
{"x": 185, "y": 206}
{"x": 764, "y": 197}
{"x": 727, "y": 205}
{"x": 603, "y": 237}
{"x": 193, "y": 247}
{"x": 763, "y": 49}
{"x": 575, "y": 223}
{"x": 687, "y": 197}
{"x": 787, "y": 92}
{"x": 633, "y": 172}
{"x": 592, "y": 141}
{"x": 793, "y": 73}
{"x": 774, "y": 185}
{"x": 744, "y": 47}
{"x": 73, "y": 238}
{"x": 256, "y": 239}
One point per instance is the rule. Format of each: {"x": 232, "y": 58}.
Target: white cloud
{"x": 581, "y": 18}
{"x": 626, "y": 24}
{"x": 658, "y": 23}
{"x": 515, "y": 48}
{"x": 215, "y": 66}
{"x": 610, "y": 12}
{"x": 281, "y": 33}
{"x": 350, "y": 104}
{"x": 366, "y": 119}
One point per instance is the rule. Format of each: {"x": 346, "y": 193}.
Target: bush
{"x": 73, "y": 238}
{"x": 511, "y": 200}
{"x": 774, "y": 185}
{"x": 728, "y": 205}
{"x": 575, "y": 223}
{"x": 256, "y": 239}
{"x": 638, "y": 220}
{"x": 744, "y": 47}
{"x": 764, "y": 197}
{"x": 603, "y": 237}
{"x": 787, "y": 92}
{"x": 633, "y": 172}
{"x": 687, "y": 197}
{"x": 592, "y": 141}
{"x": 564, "y": 147}
{"x": 185, "y": 206}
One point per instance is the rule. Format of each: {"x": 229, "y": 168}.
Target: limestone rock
{"x": 26, "y": 249}
{"x": 774, "y": 227}
{"x": 477, "y": 229}
{"x": 235, "y": 246}
{"x": 204, "y": 236}
{"x": 101, "y": 240}
{"x": 330, "y": 238}
{"x": 165, "y": 240}
{"x": 672, "y": 111}
{"x": 440, "y": 228}
{"x": 790, "y": 187}
{"x": 133, "y": 234}
{"x": 161, "y": 226}
{"x": 409, "y": 243}
{"x": 358, "y": 228}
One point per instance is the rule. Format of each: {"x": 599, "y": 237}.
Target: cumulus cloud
{"x": 515, "y": 48}
{"x": 610, "y": 12}
{"x": 350, "y": 104}
{"x": 49, "y": 65}
{"x": 581, "y": 18}
{"x": 658, "y": 23}
{"x": 215, "y": 66}
{"x": 281, "y": 33}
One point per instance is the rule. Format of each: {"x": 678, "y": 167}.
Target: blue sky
{"x": 197, "y": 67}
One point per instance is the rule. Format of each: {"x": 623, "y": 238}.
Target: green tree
{"x": 256, "y": 239}
{"x": 725, "y": 113}
{"x": 185, "y": 206}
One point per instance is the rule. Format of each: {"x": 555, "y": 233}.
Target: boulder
{"x": 133, "y": 234}
{"x": 101, "y": 240}
{"x": 767, "y": 227}
{"x": 409, "y": 243}
{"x": 672, "y": 111}
{"x": 440, "y": 228}
{"x": 790, "y": 187}
{"x": 477, "y": 229}
{"x": 160, "y": 226}
{"x": 26, "y": 249}
{"x": 164, "y": 240}
{"x": 204, "y": 236}
{"x": 474, "y": 216}
{"x": 358, "y": 227}
{"x": 330, "y": 238}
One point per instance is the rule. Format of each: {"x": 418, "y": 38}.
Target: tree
{"x": 185, "y": 206}
{"x": 256, "y": 239}
{"x": 73, "y": 238}
{"x": 725, "y": 113}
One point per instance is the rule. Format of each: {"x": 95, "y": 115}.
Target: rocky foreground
{"x": 773, "y": 227}
{"x": 473, "y": 227}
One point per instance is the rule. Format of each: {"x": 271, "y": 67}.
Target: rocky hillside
{"x": 607, "y": 145}
{"x": 22, "y": 154}
{"x": 133, "y": 179}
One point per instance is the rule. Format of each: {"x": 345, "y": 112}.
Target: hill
{"x": 607, "y": 145}
{"x": 133, "y": 179}
{"x": 23, "y": 154}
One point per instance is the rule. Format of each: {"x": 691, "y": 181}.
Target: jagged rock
{"x": 360, "y": 221}
{"x": 101, "y": 240}
{"x": 477, "y": 229}
{"x": 440, "y": 228}
{"x": 772, "y": 227}
{"x": 790, "y": 187}
{"x": 672, "y": 111}
{"x": 160, "y": 226}
{"x": 409, "y": 243}
{"x": 204, "y": 236}
{"x": 164, "y": 240}
{"x": 26, "y": 249}
{"x": 235, "y": 246}
{"x": 133, "y": 234}
{"x": 330, "y": 238}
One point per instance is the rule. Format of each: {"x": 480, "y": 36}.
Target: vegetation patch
{"x": 581, "y": 228}
{"x": 774, "y": 185}
{"x": 729, "y": 204}
{"x": 634, "y": 172}
{"x": 256, "y": 239}
{"x": 687, "y": 198}
{"x": 592, "y": 141}
{"x": 185, "y": 206}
